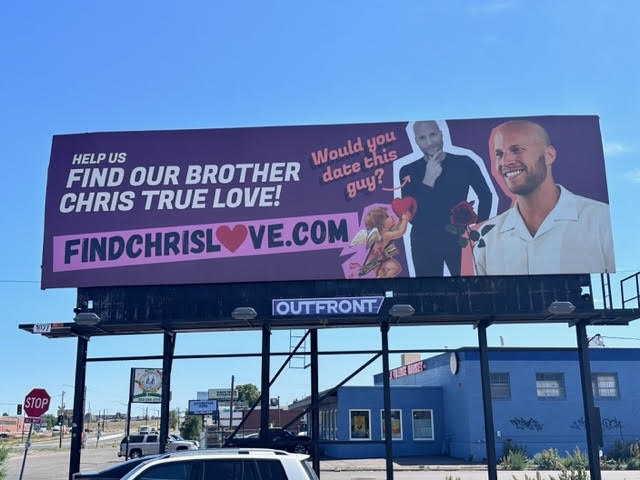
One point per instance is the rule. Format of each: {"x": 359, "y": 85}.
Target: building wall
{"x": 524, "y": 418}
{"x": 11, "y": 424}
{"x": 370, "y": 398}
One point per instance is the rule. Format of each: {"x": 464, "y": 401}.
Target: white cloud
{"x": 491, "y": 7}
{"x": 614, "y": 148}
{"x": 633, "y": 175}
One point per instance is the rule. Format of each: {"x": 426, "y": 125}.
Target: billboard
{"x": 427, "y": 198}
{"x": 147, "y": 385}
{"x": 223, "y": 394}
{"x": 202, "y": 407}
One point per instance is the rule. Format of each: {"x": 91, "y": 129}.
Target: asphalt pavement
{"x": 53, "y": 464}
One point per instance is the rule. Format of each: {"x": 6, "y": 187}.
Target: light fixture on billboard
{"x": 244, "y": 313}
{"x": 561, "y": 308}
{"x": 401, "y": 310}
{"x": 87, "y": 319}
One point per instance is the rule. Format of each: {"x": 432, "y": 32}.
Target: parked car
{"x": 142, "y": 445}
{"x": 114, "y": 472}
{"x": 230, "y": 464}
{"x": 174, "y": 437}
{"x": 279, "y": 439}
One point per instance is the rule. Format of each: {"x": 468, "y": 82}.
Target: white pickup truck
{"x": 149, "y": 444}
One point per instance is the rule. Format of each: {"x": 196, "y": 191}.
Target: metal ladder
{"x": 298, "y": 360}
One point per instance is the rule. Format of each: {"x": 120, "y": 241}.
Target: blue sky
{"x": 71, "y": 67}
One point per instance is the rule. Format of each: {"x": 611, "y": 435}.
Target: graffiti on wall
{"x": 607, "y": 424}
{"x": 526, "y": 424}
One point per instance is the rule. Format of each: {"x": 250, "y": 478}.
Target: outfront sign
{"x": 326, "y": 306}
{"x": 405, "y": 199}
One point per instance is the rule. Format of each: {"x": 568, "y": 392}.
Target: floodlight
{"x": 87, "y": 319}
{"x": 561, "y": 308}
{"x": 401, "y": 310}
{"x": 244, "y": 313}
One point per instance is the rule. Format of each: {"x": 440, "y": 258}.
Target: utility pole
{"x": 61, "y": 426}
{"x": 231, "y": 405}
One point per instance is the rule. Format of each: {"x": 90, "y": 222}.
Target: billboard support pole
{"x": 386, "y": 391}
{"x": 264, "y": 387}
{"x": 315, "y": 408}
{"x": 486, "y": 401}
{"x": 128, "y": 427}
{"x": 78, "y": 406}
{"x": 169, "y": 344}
{"x": 587, "y": 401}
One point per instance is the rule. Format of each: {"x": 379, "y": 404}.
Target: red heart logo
{"x": 404, "y": 204}
{"x": 231, "y": 238}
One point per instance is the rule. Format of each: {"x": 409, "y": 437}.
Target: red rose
{"x": 463, "y": 214}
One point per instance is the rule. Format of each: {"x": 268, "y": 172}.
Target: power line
{"x": 19, "y": 281}
{"x": 621, "y": 338}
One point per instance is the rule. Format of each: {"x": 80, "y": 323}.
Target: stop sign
{"x": 36, "y": 402}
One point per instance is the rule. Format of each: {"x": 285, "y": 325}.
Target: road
{"x": 66, "y": 441}
{"x": 53, "y": 465}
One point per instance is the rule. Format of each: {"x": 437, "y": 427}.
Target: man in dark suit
{"x": 438, "y": 181}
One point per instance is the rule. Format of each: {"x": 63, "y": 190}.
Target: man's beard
{"x": 534, "y": 177}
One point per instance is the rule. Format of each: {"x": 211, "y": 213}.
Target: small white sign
{"x": 41, "y": 328}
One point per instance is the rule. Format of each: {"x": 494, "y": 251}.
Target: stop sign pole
{"x": 36, "y": 403}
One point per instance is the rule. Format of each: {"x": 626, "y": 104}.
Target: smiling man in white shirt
{"x": 548, "y": 229}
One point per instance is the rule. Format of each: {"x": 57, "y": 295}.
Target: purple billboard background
{"x": 272, "y": 255}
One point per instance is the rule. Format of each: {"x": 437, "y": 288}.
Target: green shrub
{"x": 622, "y": 450}
{"x": 633, "y": 463}
{"x": 612, "y": 464}
{"x": 576, "y": 461}
{"x": 510, "y": 447}
{"x": 578, "y": 474}
{"x": 548, "y": 459}
{"x": 527, "y": 477}
{"x": 4, "y": 453}
{"x": 515, "y": 461}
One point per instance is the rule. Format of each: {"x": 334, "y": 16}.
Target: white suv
{"x": 141, "y": 445}
{"x": 227, "y": 464}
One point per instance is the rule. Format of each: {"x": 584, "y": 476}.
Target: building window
{"x": 359, "y": 424}
{"x": 500, "y": 387}
{"x": 550, "y": 385}
{"x": 422, "y": 424}
{"x": 605, "y": 385}
{"x": 396, "y": 424}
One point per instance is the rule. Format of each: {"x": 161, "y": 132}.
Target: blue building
{"x": 436, "y": 404}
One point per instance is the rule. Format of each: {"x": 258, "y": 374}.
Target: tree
{"x": 190, "y": 429}
{"x": 49, "y": 421}
{"x": 173, "y": 419}
{"x": 5, "y": 414}
{"x": 248, "y": 393}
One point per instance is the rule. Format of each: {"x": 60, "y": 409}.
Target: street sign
{"x": 41, "y": 328}
{"x": 32, "y": 420}
{"x": 36, "y": 402}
